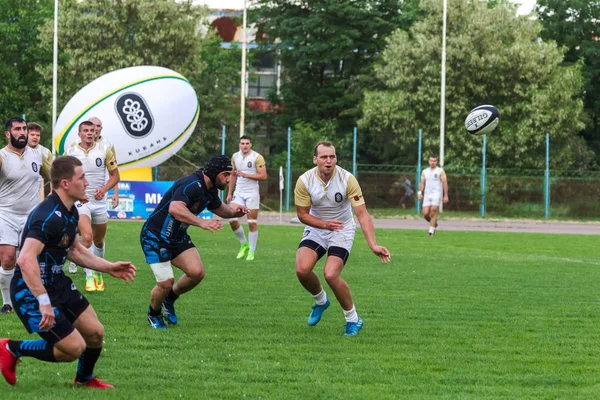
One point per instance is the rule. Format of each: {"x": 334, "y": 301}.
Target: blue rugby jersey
{"x": 193, "y": 192}
{"x": 56, "y": 227}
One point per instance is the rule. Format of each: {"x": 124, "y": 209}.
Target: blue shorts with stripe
{"x": 158, "y": 250}
{"x": 68, "y": 303}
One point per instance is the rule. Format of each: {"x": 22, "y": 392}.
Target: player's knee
{"x": 331, "y": 276}
{"x": 95, "y": 336}
{"x": 196, "y": 275}
{"x": 166, "y": 285}
{"x": 303, "y": 270}
{"x": 86, "y": 240}
{"x": 8, "y": 261}
{"x": 98, "y": 242}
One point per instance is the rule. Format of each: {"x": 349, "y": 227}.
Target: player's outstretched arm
{"x": 366, "y": 224}
{"x": 82, "y": 256}
{"x": 179, "y": 210}
{"x": 225, "y": 211}
{"x": 304, "y": 216}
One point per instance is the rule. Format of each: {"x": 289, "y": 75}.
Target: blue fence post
{"x": 223, "y": 136}
{"x": 483, "y": 176}
{"x": 289, "y": 170}
{"x": 354, "y": 154}
{"x": 418, "y": 180}
{"x": 547, "y": 178}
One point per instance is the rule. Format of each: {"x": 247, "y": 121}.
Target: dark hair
{"x": 433, "y": 156}
{"x": 34, "y": 126}
{"x": 9, "y": 122}
{"x": 324, "y": 143}
{"x": 245, "y": 137}
{"x": 85, "y": 123}
{"x": 63, "y": 167}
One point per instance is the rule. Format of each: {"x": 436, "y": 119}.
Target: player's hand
{"x": 47, "y": 317}
{"x": 99, "y": 194}
{"x": 123, "y": 270}
{"x": 228, "y": 199}
{"x": 241, "y": 211}
{"x": 334, "y": 225}
{"x": 239, "y": 173}
{"x": 383, "y": 254}
{"x": 445, "y": 199}
{"x": 211, "y": 225}
{"x": 115, "y": 200}
{"x": 420, "y": 197}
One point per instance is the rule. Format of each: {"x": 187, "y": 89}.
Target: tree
{"x": 19, "y": 25}
{"x": 324, "y": 46}
{"x": 574, "y": 24}
{"x": 493, "y": 57}
{"x": 99, "y": 36}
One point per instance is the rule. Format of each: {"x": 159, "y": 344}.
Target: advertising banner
{"x": 137, "y": 200}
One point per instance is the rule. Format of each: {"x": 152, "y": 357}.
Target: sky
{"x": 525, "y": 6}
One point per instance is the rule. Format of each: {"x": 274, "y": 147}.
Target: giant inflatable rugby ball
{"x": 482, "y": 120}
{"x": 147, "y": 113}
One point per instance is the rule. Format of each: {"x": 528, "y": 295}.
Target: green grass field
{"x": 463, "y": 315}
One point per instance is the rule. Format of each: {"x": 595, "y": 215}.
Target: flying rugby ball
{"x": 147, "y": 113}
{"x": 482, "y": 120}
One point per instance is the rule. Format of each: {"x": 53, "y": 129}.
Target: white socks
{"x": 351, "y": 315}
{"x": 431, "y": 229}
{"x": 5, "y": 280}
{"x": 253, "y": 238}
{"x": 98, "y": 252}
{"x": 88, "y": 272}
{"x": 239, "y": 233}
{"x": 321, "y": 297}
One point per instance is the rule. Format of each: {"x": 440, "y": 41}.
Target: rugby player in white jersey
{"x": 20, "y": 169}
{"x": 248, "y": 168}
{"x": 34, "y": 131}
{"x": 103, "y": 140}
{"x": 96, "y": 158}
{"x": 433, "y": 187}
{"x": 325, "y": 197}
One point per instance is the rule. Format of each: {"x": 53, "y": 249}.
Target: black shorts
{"x": 321, "y": 251}
{"x": 157, "y": 250}
{"x": 68, "y": 303}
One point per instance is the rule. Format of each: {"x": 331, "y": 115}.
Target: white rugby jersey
{"x": 433, "y": 181}
{"x": 46, "y": 155}
{"x": 104, "y": 141}
{"x": 248, "y": 164}
{"x": 96, "y": 161}
{"x": 19, "y": 180}
{"x": 333, "y": 200}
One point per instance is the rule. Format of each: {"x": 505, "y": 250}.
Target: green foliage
{"x": 574, "y": 24}
{"x": 98, "y": 36}
{"x": 20, "y": 21}
{"x": 492, "y": 58}
{"x": 324, "y": 46}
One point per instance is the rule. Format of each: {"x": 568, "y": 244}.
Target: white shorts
{"x": 96, "y": 212}
{"x": 327, "y": 239}
{"x": 11, "y": 227}
{"x": 250, "y": 200}
{"x": 431, "y": 200}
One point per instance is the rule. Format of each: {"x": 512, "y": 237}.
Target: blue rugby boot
{"x": 156, "y": 321}
{"x": 168, "y": 307}
{"x": 352, "y": 328}
{"x": 317, "y": 313}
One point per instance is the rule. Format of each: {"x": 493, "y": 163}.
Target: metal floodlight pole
{"x": 443, "y": 91}
{"x": 54, "y": 76}
{"x": 243, "y": 79}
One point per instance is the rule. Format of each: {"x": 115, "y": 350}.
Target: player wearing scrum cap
{"x": 165, "y": 240}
